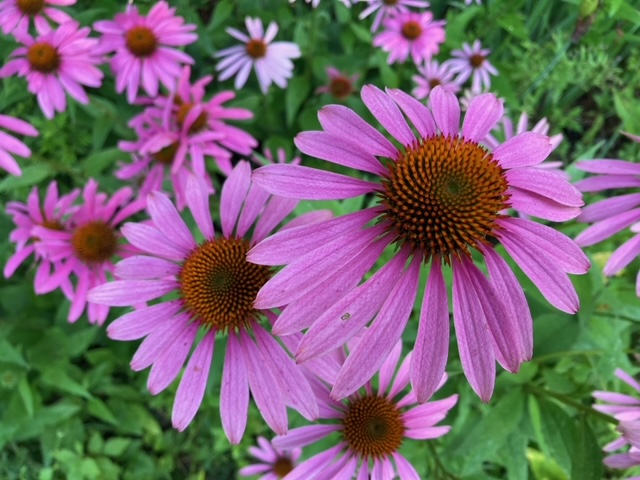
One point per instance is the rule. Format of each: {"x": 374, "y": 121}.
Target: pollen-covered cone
{"x": 215, "y": 288}
{"x": 441, "y": 196}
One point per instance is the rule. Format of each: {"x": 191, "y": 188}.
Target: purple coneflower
{"x": 625, "y": 409}
{"x": 87, "y": 247}
{"x": 215, "y": 288}
{"x": 341, "y": 86}
{"x": 315, "y": 3}
{"x": 372, "y": 424}
{"x": 274, "y": 462}
{"x": 61, "y": 60}
{"x": 442, "y": 195}
{"x": 53, "y": 214}
{"x": 472, "y": 61}
{"x": 383, "y": 8}
{"x": 144, "y": 48}
{"x": 432, "y": 74}
{"x": 16, "y": 15}
{"x": 410, "y": 33}
{"x": 613, "y": 214}
{"x": 271, "y": 60}
{"x": 9, "y": 145}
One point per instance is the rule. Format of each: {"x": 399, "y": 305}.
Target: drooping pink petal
{"x": 234, "y": 391}
{"x": 303, "y": 436}
{"x": 168, "y": 220}
{"x": 446, "y": 111}
{"x": 388, "y": 368}
{"x": 233, "y": 194}
{"x": 418, "y": 113}
{"x": 124, "y": 293}
{"x": 198, "y": 201}
{"x": 387, "y": 113}
{"x": 139, "y": 323}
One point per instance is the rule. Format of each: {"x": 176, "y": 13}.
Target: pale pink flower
{"x": 315, "y": 3}
{"x": 87, "y": 247}
{"x": 625, "y": 409}
{"x": 341, "y": 86}
{"x": 469, "y": 2}
{"x": 441, "y": 197}
{"x": 432, "y": 74}
{"x": 53, "y": 214}
{"x": 60, "y": 60}
{"x": 274, "y": 463}
{"x": 372, "y": 424}
{"x": 271, "y": 60}
{"x": 9, "y": 145}
{"x": 16, "y": 15}
{"x": 411, "y": 33}
{"x": 144, "y": 48}
{"x": 384, "y": 8}
{"x": 214, "y": 288}
{"x": 472, "y": 62}
{"x": 614, "y": 214}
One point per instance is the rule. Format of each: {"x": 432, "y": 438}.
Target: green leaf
{"x": 98, "y": 162}
{"x": 222, "y": 12}
{"x": 586, "y": 458}
{"x": 297, "y": 92}
{"x": 553, "y": 333}
{"x": 25, "y": 394}
{"x": 363, "y": 34}
{"x": 115, "y": 447}
{"x": 31, "y": 175}
{"x": 89, "y": 468}
{"x": 99, "y": 409}
{"x": 10, "y": 355}
{"x": 558, "y": 431}
{"x": 58, "y": 379}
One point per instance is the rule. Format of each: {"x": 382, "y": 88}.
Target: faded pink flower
{"x": 372, "y": 424}
{"x": 87, "y": 247}
{"x": 341, "y": 86}
{"x": 384, "y": 8}
{"x": 60, "y": 60}
{"x": 214, "y": 288}
{"x": 271, "y": 60}
{"x": 472, "y": 62}
{"x": 16, "y": 15}
{"x": 274, "y": 463}
{"x": 441, "y": 197}
{"x": 53, "y": 214}
{"x": 614, "y": 214}
{"x": 432, "y": 74}
{"x": 9, "y": 145}
{"x": 144, "y": 47}
{"x": 410, "y": 33}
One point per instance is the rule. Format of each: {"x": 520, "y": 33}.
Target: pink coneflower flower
{"x": 271, "y": 60}
{"x": 341, "y": 86}
{"x": 274, "y": 462}
{"x": 10, "y": 145}
{"x": 88, "y": 246}
{"x": 472, "y": 62}
{"x": 442, "y": 195}
{"x": 411, "y": 33}
{"x": 58, "y": 61}
{"x": 625, "y": 409}
{"x": 611, "y": 215}
{"x": 215, "y": 288}
{"x": 143, "y": 46}
{"x": 53, "y": 215}
{"x": 315, "y": 3}
{"x": 469, "y": 2}
{"x": 384, "y": 8}
{"x": 15, "y": 15}
{"x": 372, "y": 424}
{"x": 431, "y": 75}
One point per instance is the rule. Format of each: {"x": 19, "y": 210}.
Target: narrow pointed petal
{"x": 168, "y": 220}
{"x": 546, "y": 183}
{"x": 124, "y": 293}
{"x": 418, "y": 113}
{"x": 446, "y": 111}
{"x": 139, "y": 323}
{"x": 523, "y": 150}
{"x": 388, "y": 368}
{"x": 234, "y": 191}
{"x": 198, "y": 202}
{"x": 234, "y": 392}
{"x": 484, "y": 112}
{"x": 303, "y": 436}
{"x": 387, "y": 113}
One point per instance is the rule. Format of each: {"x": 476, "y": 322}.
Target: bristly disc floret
{"x": 373, "y": 426}
{"x": 443, "y": 196}
{"x": 95, "y": 242}
{"x": 219, "y": 286}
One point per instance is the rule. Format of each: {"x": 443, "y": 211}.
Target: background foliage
{"x": 70, "y": 407}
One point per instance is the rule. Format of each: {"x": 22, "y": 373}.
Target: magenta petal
{"x": 198, "y": 201}
{"x": 234, "y": 191}
{"x": 142, "y": 267}
{"x": 531, "y": 203}
{"x": 387, "y": 113}
{"x": 310, "y": 468}
{"x": 303, "y": 436}
{"x": 608, "y": 227}
{"x": 158, "y": 340}
{"x": 304, "y": 183}
{"x": 124, "y": 293}
{"x": 168, "y": 220}
{"x": 149, "y": 239}
{"x": 234, "y": 391}
{"x": 388, "y": 368}
{"x": 474, "y": 343}
{"x": 547, "y": 275}
{"x": 379, "y": 339}
{"x": 140, "y": 323}
{"x": 623, "y": 256}
{"x": 418, "y": 113}
{"x": 427, "y": 433}
{"x": 482, "y": 115}
{"x": 609, "y": 207}
{"x": 336, "y": 149}
{"x": 546, "y": 183}
{"x": 292, "y": 382}
{"x": 275, "y": 212}
{"x": 431, "y": 349}
{"x": 523, "y": 150}
{"x": 347, "y": 316}
{"x": 344, "y": 122}
{"x": 193, "y": 384}
{"x": 628, "y": 379}
{"x": 405, "y": 469}
{"x": 446, "y": 111}
{"x": 167, "y": 366}
{"x": 609, "y": 167}
{"x": 270, "y": 403}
